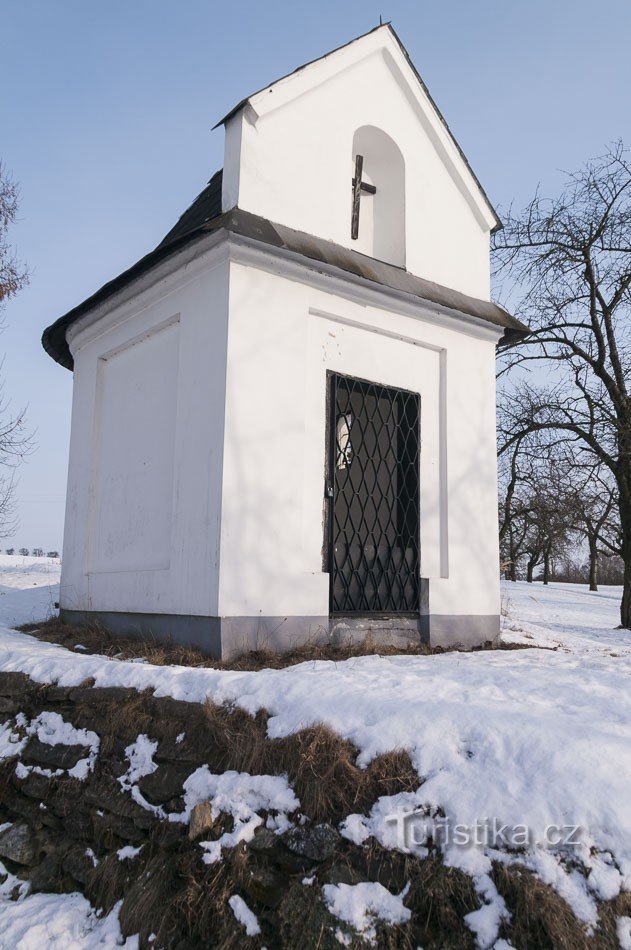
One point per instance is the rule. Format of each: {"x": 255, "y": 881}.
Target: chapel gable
{"x": 352, "y": 149}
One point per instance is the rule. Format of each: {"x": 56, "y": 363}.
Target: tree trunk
{"x": 625, "y": 606}
{"x": 624, "y": 509}
{"x": 529, "y": 571}
{"x": 512, "y": 572}
{"x": 593, "y": 566}
{"x": 546, "y": 568}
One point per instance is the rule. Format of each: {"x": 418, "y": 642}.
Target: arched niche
{"x": 381, "y": 232}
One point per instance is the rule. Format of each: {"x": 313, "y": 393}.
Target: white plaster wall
{"x": 133, "y": 448}
{"x": 292, "y": 163}
{"x": 144, "y": 484}
{"x": 235, "y": 438}
{"x": 283, "y": 337}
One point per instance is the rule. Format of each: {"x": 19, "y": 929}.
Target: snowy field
{"x": 29, "y": 588}
{"x": 521, "y": 740}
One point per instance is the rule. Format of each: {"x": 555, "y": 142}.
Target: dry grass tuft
{"x": 131, "y": 717}
{"x": 539, "y": 916}
{"x": 183, "y": 902}
{"x": 320, "y": 764}
{"x": 149, "y": 902}
{"x": 609, "y": 914}
{"x": 107, "y": 883}
{"x": 96, "y": 639}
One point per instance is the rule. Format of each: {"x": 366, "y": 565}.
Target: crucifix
{"x": 359, "y": 187}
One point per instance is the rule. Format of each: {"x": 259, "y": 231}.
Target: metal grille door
{"x": 374, "y": 498}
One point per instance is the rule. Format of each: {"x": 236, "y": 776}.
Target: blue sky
{"x": 106, "y": 123}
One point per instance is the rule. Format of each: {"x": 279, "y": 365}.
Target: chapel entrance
{"x": 373, "y": 491}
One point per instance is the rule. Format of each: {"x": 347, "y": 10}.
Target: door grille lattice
{"x": 374, "y": 498}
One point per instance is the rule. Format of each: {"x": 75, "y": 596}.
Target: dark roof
{"x": 206, "y": 206}
{"x": 193, "y": 226}
{"x": 498, "y": 223}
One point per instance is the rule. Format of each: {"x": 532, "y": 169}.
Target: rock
{"x": 8, "y": 707}
{"x": 101, "y": 695}
{"x": 50, "y": 821}
{"x": 77, "y": 864}
{"x": 110, "y": 830}
{"x": 263, "y": 840}
{"x": 202, "y": 820}
{"x": 108, "y": 795}
{"x": 47, "y": 875}
{"x": 16, "y": 685}
{"x": 19, "y": 844}
{"x": 170, "y": 750}
{"x": 56, "y": 694}
{"x": 34, "y": 785}
{"x": 78, "y": 825}
{"x": 342, "y": 874}
{"x": 165, "y": 783}
{"x": 264, "y": 885}
{"x": 316, "y": 842}
{"x": 26, "y": 808}
{"x": 53, "y": 756}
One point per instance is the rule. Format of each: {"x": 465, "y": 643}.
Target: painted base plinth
{"x": 226, "y": 637}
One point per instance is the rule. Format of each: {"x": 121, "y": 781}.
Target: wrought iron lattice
{"x": 374, "y": 498}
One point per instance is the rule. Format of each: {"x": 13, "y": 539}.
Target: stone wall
{"x": 62, "y": 826}
{"x": 67, "y": 823}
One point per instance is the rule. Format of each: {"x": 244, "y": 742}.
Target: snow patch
{"x": 237, "y": 794}
{"x": 128, "y": 853}
{"x": 362, "y": 905}
{"x": 623, "y": 931}
{"x": 485, "y": 921}
{"x": 58, "y": 922}
{"x": 240, "y": 795}
{"x": 244, "y": 916}
{"x": 11, "y": 742}
{"x": 52, "y": 729}
{"x": 140, "y": 755}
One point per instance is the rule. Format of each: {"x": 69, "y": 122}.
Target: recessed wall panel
{"x": 134, "y": 441}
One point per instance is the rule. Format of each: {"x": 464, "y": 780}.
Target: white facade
{"x": 197, "y": 462}
{"x": 289, "y": 158}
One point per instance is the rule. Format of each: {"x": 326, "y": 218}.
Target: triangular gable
{"x": 313, "y": 73}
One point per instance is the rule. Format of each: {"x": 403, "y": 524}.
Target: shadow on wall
{"x": 382, "y": 215}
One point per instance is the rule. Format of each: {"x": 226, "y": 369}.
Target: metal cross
{"x": 359, "y": 187}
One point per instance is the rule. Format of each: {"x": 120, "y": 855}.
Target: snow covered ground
{"x": 564, "y": 616}
{"x": 29, "y": 588}
{"x": 526, "y": 752}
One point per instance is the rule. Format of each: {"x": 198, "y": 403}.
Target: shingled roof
{"x": 204, "y": 217}
{"x": 206, "y": 206}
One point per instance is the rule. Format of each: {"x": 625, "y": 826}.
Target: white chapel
{"x": 283, "y": 423}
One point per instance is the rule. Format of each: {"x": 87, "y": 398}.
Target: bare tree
{"x": 548, "y": 519}
{"x": 569, "y": 262}
{"x": 14, "y": 441}
{"x": 596, "y": 517}
{"x": 537, "y": 511}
